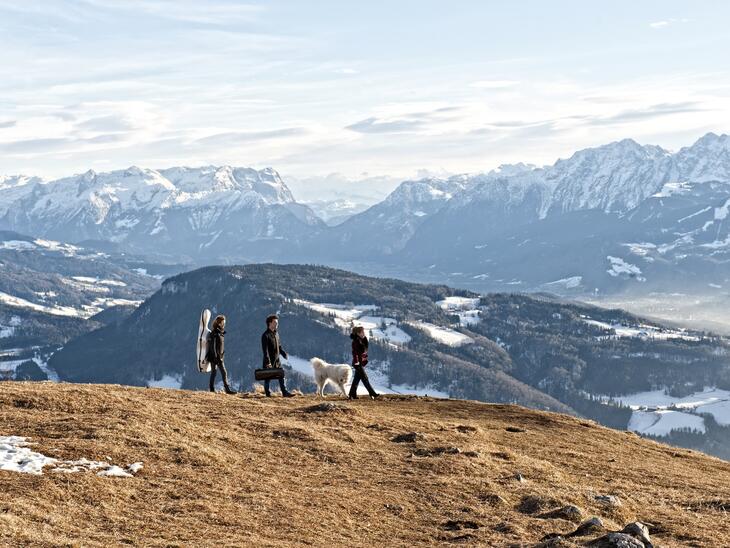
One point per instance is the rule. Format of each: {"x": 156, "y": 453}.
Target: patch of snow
{"x": 380, "y": 328}
{"x": 619, "y": 267}
{"x": 167, "y": 381}
{"x": 642, "y": 331}
{"x": 17, "y": 245}
{"x": 443, "y": 335}
{"x": 721, "y": 213}
{"x": 16, "y": 456}
{"x": 663, "y": 421}
{"x": 17, "y": 302}
{"x": 670, "y": 189}
{"x": 466, "y": 308}
{"x": 569, "y": 283}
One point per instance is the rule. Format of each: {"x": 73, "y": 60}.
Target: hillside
{"x": 426, "y": 339}
{"x": 220, "y": 470}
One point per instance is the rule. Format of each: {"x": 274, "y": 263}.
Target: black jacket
{"x": 216, "y": 346}
{"x": 271, "y": 347}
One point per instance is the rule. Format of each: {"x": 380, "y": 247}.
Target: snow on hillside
{"x": 443, "y": 335}
{"x": 346, "y": 316}
{"x": 17, "y": 456}
{"x": 661, "y": 422}
{"x": 167, "y": 381}
{"x": 657, "y": 413}
{"x": 466, "y": 308}
{"x": 378, "y": 375}
{"x": 644, "y": 331}
{"x": 17, "y": 302}
{"x": 620, "y": 268}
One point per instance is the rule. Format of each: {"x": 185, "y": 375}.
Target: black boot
{"x": 229, "y": 390}
{"x": 287, "y": 394}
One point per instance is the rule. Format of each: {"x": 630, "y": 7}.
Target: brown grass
{"x": 250, "y": 471}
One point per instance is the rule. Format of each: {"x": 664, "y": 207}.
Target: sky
{"x": 379, "y": 88}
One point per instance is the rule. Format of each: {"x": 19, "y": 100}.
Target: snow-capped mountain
{"x": 194, "y": 212}
{"x": 607, "y": 218}
{"x": 618, "y": 216}
{"x": 386, "y": 227}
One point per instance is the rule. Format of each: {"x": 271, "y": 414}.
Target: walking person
{"x": 272, "y": 349}
{"x": 359, "y": 361}
{"x": 217, "y": 352}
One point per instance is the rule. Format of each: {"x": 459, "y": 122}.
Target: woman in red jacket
{"x": 359, "y": 361}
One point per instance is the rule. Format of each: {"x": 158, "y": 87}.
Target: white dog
{"x": 326, "y": 372}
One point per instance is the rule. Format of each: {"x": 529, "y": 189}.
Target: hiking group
{"x": 273, "y": 351}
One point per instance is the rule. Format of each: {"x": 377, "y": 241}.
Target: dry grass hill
{"x": 405, "y": 471}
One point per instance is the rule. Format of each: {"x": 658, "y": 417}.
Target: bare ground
{"x": 248, "y": 471}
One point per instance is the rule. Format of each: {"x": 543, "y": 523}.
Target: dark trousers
{"x": 215, "y": 367}
{"x": 282, "y": 386}
{"x": 361, "y": 375}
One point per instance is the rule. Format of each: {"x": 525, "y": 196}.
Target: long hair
{"x": 217, "y": 323}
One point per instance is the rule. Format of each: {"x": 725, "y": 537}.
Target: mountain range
{"x": 618, "y": 218}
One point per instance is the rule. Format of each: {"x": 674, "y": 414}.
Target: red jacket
{"x": 359, "y": 351}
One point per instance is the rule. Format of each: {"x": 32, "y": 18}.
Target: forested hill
{"x": 427, "y": 339}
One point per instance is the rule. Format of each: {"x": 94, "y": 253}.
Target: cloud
{"x": 7, "y": 123}
{"x": 652, "y": 111}
{"x": 189, "y": 11}
{"x": 666, "y": 22}
{"x": 410, "y": 122}
{"x": 375, "y": 125}
{"x": 232, "y": 138}
{"x": 494, "y": 84}
{"x": 108, "y": 123}
{"x": 31, "y": 147}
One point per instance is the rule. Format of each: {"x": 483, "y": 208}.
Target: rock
{"x": 472, "y": 454}
{"x": 616, "y": 540}
{"x": 588, "y": 527}
{"x": 492, "y": 499}
{"x": 326, "y": 407}
{"x": 396, "y": 509}
{"x": 436, "y": 451}
{"x": 409, "y": 437}
{"x": 569, "y": 513}
{"x": 466, "y": 429}
{"x": 608, "y": 500}
{"x": 458, "y": 525}
{"x": 515, "y": 429}
{"x": 639, "y": 531}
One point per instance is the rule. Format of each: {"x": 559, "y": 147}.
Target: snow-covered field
{"x": 620, "y": 268}
{"x": 377, "y": 373}
{"x": 662, "y": 421}
{"x": 17, "y": 456}
{"x": 8, "y": 366}
{"x": 167, "y": 381}
{"x": 642, "y": 331}
{"x": 378, "y": 327}
{"x": 443, "y": 335}
{"x": 657, "y": 413}
{"x": 466, "y": 308}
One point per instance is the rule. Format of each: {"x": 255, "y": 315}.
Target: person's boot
{"x": 268, "y": 394}
{"x": 229, "y": 390}
{"x": 352, "y": 397}
{"x": 287, "y": 394}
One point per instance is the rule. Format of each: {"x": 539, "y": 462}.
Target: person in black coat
{"x": 217, "y": 352}
{"x": 272, "y": 349}
{"x": 359, "y": 361}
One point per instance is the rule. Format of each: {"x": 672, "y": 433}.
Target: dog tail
{"x": 317, "y": 364}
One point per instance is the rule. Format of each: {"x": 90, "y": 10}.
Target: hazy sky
{"x": 384, "y": 87}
